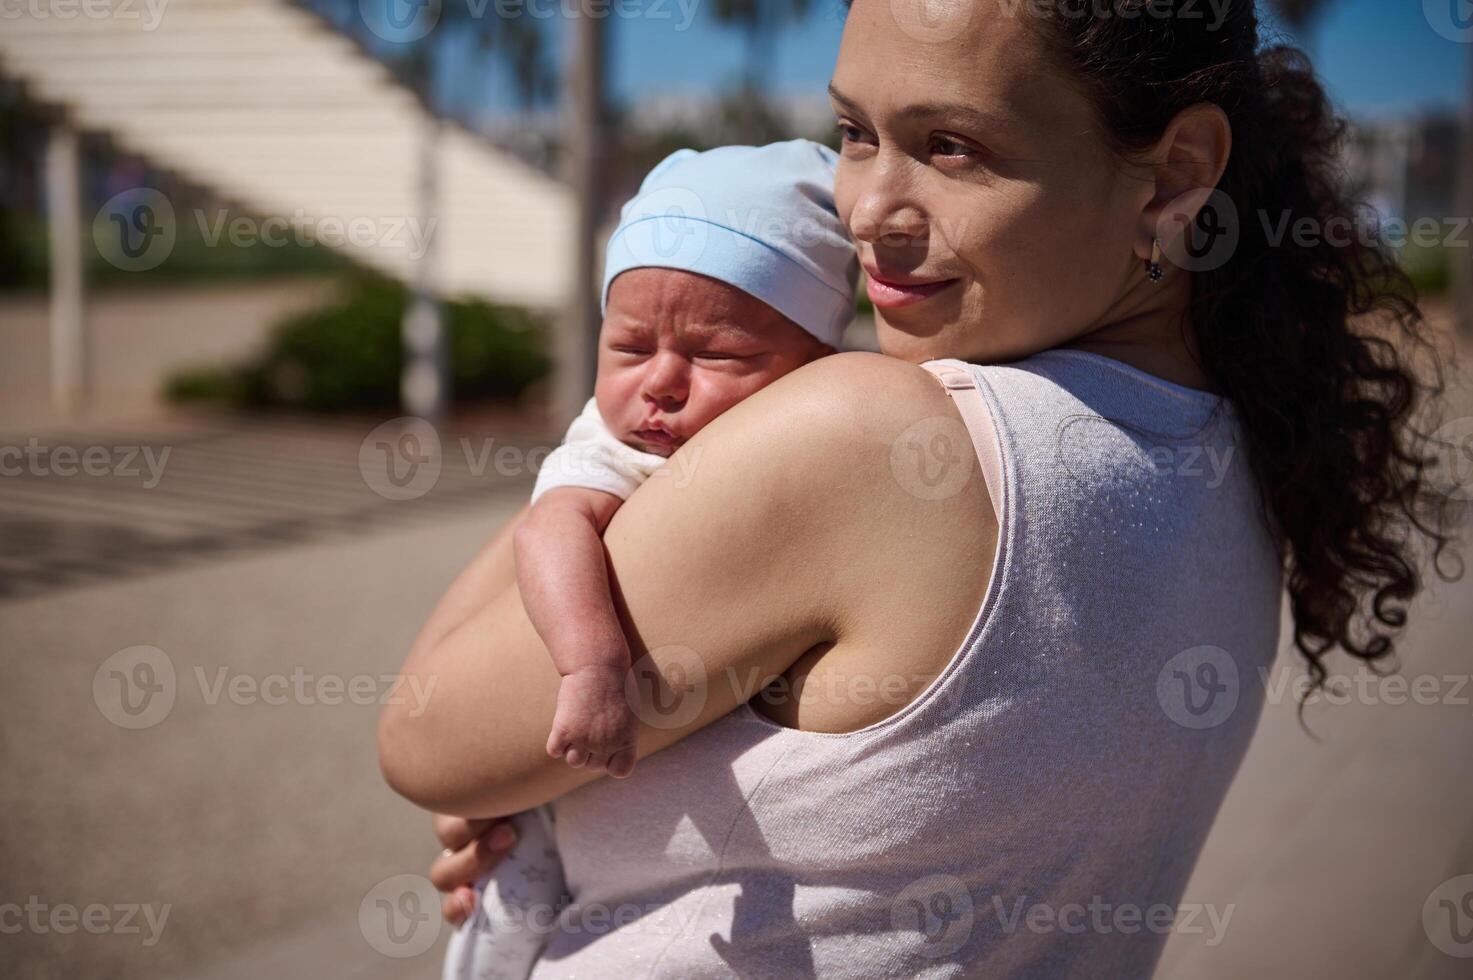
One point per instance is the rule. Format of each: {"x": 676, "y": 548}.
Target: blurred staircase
{"x": 266, "y": 105}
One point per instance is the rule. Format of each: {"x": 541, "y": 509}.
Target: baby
{"x": 728, "y": 270}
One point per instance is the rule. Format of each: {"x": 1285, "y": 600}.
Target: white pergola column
{"x": 1461, "y": 259}
{"x": 69, "y": 370}
{"x": 577, "y": 336}
{"x": 424, "y": 386}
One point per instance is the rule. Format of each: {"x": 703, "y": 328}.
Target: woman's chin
{"x": 916, "y": 337}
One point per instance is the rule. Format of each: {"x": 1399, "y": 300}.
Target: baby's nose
{"x": 667, "y": 380}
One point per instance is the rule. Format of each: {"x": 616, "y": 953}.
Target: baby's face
{"x": 677, "y": 349}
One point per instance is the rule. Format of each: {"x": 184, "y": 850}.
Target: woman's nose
{"x": 883, "y": 212}
{"x": 667, "y": 381}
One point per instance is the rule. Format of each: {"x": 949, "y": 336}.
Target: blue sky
{"x": 1379, "y": 57}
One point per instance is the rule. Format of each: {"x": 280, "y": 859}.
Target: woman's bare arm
{"x": 723, "y": 583}
{"x": 489, "y": 574}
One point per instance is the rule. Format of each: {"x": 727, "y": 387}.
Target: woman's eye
{"x": 849, "y": 133}
{"x": 948, "y": 147}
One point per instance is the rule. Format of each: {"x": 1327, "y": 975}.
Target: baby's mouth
{"x": 658, "y": 441}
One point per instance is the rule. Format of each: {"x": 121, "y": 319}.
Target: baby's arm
{"x": 564, "y": 583}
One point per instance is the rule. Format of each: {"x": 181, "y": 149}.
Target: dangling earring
{"x": 1153, "y": 265}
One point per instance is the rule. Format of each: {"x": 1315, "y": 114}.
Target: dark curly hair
{"x": 1320, "y": 344}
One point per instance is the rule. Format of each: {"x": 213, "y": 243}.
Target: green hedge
{"x": 348, "y": 355}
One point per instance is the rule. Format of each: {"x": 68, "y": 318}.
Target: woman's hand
{"x": 472, "y": 848}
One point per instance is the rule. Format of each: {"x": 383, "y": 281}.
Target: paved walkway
{"x": 261, "y": 825}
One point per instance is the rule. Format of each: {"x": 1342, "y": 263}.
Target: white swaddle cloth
{"x": 591, "y": 457}
{"x": 517, "y": 905}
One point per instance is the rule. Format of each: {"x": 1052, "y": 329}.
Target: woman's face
{"x": 991, "y": 218}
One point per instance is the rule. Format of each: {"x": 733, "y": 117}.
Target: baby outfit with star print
{"x": 517, "y": 905}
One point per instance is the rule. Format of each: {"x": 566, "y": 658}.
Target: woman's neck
{"x": 1159, "y": 341}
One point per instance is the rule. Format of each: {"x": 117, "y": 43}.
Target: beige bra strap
{"x": 959, "y": 383}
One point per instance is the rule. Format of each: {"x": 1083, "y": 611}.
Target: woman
{"x": 998, "y": 716}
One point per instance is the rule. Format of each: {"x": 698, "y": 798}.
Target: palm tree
{"x": 413, "y": 60}
{"x": 759, "y": 21}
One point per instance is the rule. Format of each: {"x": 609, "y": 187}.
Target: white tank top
{"x": 1037, "y": 810}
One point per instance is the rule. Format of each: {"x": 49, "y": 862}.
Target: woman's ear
{"x": 1186, "y": 164}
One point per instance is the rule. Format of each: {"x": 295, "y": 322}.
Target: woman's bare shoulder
{"x": 858, "y": 377}
{"x": 841, "y": 409}
{"x": 824, "y": 455}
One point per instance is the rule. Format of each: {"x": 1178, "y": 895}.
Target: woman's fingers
{"x": 459, "y": 905}
{"x": 456, "y": 832}
{"x": 454, "y": 868}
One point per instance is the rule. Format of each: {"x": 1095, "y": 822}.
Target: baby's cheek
{"x": 614, "y": 390}
{"x": 719, "y": 392}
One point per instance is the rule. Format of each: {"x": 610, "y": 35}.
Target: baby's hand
{"x": 594, "y": 726}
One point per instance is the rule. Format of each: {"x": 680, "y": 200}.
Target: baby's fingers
{"x": 622, "y": 763}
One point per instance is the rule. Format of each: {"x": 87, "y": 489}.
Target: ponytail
{"x": 1318, "y": 341}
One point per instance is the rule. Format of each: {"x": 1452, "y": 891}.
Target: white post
{"x": 69, "y": 370}
{"x": 1461, "y": 259}
{"x": 424, "y": 386}
{"x": 577, "y": 336}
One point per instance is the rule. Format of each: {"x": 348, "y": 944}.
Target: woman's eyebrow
{"x": 966, "y": 115}
{"x": 848, "y": 104}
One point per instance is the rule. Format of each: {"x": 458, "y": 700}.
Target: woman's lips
{"x": 888, "y": 295}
